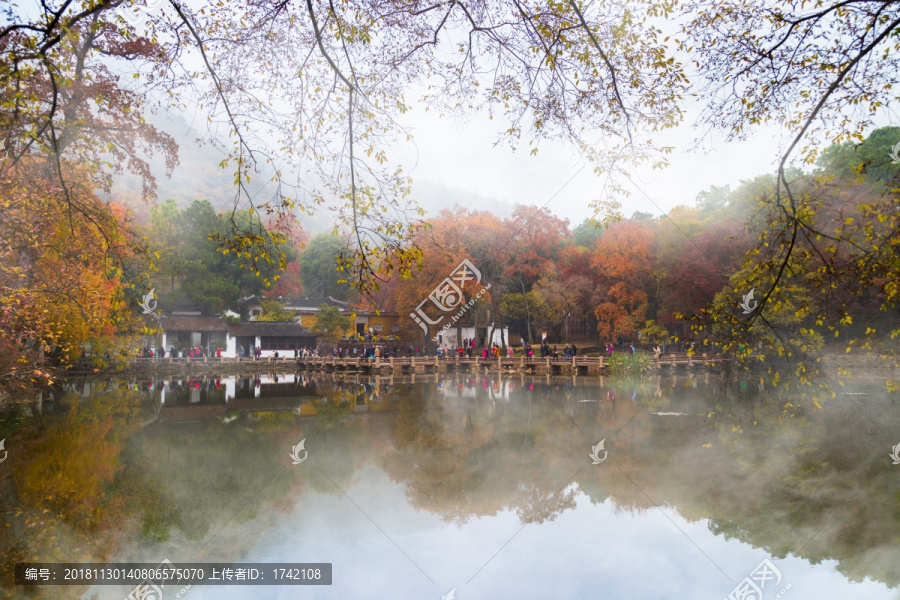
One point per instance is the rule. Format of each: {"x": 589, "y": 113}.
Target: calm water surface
{"x": 479, "y": 485}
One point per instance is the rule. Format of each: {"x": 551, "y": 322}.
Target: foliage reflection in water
{"x": 414, "y": 486}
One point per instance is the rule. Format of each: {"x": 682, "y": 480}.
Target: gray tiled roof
{"x": 193, "y": 324}
{"x": 270, "y": 328}
{"x": 312, "y": 302}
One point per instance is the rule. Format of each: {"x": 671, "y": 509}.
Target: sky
{"x": 463, "y": 156}
{"x": 455, "y": 159}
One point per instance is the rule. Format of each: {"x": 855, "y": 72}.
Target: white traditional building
{"x": 212, "y": 333}
{"x": 500, "y": 336}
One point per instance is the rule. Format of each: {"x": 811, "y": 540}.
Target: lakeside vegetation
{"x": 643, "y": 279}
{"x": 816, "y": 240}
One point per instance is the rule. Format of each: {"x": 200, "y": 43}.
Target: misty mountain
{"x": 198, "y": 176}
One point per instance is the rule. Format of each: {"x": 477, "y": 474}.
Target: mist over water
{"x": 414, "y": 487}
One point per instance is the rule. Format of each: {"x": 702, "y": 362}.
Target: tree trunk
{"x": 527, "y": 314}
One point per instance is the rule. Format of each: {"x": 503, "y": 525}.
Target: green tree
{"x": 331, "y": 320}
{"x": 517, "y": 314}
{"x": 587, "y": 233}
{"x": 197, "y": 268}
{"x": 166, "y": 237}
{"x": 869, "y": 161}
{"x": 319, "y": 264}
{"x": 715, "y": 198}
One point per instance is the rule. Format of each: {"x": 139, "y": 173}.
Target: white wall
{"x": 448, "y": 337}
{"x": 230, "y": 346}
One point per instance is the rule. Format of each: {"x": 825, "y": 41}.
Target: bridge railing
{"x": 601, "y": 360}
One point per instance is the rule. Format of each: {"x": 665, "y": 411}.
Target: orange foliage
{"x": 454, "y": 236}
{"x": 61, "y": 266}
{"x": 622, "y": 261}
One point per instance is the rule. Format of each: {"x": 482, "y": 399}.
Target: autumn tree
{"x": 341, "y": 75}
{"x": 836, "y": 65}
{"x": 622, "y": 259}
{"x": 535, "y": 238}
{"x": 61, "y": 271}
{"x": 273, "y": 310}
{"x": 566, "y": 299}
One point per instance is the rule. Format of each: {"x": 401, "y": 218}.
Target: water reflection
{"x": 416, "y": 485}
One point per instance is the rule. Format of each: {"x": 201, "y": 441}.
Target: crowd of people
{"x": 370, "y": 349}
{"x": 173, "y": 352}
{"x": 369, "y": 337}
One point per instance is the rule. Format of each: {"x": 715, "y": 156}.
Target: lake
{"x": 464, "y": 486}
